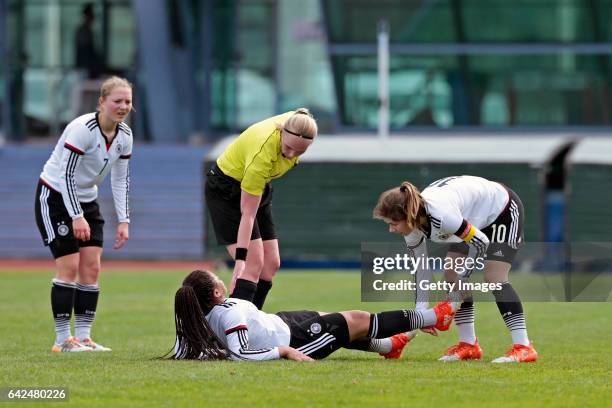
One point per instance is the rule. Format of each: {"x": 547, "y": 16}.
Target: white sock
{"x": 520, "y": 337}
{"x": 429, "y": 317}
{"x": 62, "y": 330}
{"x": 467, "y": 333}
{"x": 518, "y": 328}
{"x": 464, "y": 319}
{"x": 380, "y": 345}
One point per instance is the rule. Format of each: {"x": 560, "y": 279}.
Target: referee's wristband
{"x": 241, "y": 254}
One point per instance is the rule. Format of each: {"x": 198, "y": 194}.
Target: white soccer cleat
{"x": 93, "y": 346}
{"x": 452, "y": 357}
{"x": 70, "y": 345}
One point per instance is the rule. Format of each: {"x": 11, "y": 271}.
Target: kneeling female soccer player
{"x": 483, "y": 220}
{"x": 210, "y": 326}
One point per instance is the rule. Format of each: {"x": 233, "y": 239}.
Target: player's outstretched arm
{"x": 292, "y": 354}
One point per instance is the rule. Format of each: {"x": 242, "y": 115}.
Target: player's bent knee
{"x": 273, "y": 263}
{"x": 358, "y": 322}
{"x": 89, "y": 273}
{"x": 253, "y": 268}
{"x": 271, "y": 266}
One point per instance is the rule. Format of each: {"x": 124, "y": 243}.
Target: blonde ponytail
{"x": 301, "y": 123}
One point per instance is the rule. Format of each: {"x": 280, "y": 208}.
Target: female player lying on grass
{"x": 210, "y": 326}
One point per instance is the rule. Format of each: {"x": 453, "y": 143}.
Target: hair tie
{"x": 301, "y": 112}
{"x": 403, "y": 189}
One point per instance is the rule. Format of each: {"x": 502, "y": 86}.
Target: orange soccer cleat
{"x": 518, "y": 354}
{"x": 398, "y": 342}
{"x": 445, "y": 314}
{"x": 462, "y": 351}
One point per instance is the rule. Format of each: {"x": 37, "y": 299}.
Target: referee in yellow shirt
{"x": 239, "y": 197}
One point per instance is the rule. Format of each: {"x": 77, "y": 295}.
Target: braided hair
{"x": 195, "y": 339}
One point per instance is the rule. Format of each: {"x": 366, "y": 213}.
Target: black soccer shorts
{"x": 315, "y": 335}
{"x": 222, "y": 194}
{"x": 55, "y": 224}
{"x": 505, "y": 233}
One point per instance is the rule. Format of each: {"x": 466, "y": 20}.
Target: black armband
{"x": 241, "y": 254}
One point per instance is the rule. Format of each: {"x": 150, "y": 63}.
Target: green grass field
{"x": 135, "y": 318}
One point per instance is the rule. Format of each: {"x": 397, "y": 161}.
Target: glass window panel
{"x": 552, "y": 90}
{"x": 355, "y": 21}
{"x": 223, "y": 95}
{"x": 604, "y": 17}
{"x": 419, "y": 93}
{"x": 223, "y": 74}
{"x": 71, "y": 19}
{"x": 304, "y": 70}
{"x": 491, "y": 90}
{"x": 256, "y": 76}
{"x": 36, "y": 34}
{"x": 527, "y": 20}
{"x": 121, "y": 50}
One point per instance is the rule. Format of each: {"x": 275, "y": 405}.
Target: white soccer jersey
{"x": 451, "y": 200}
{"x": 81, "y": 160}
{"x": 247, "y": 332}
{"x": 458, "y": 208}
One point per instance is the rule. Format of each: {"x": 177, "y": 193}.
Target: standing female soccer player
{"x": 239, "y": 197}
{"x": 68, "y": 215}
{"x": 211, "y": 327}
{"x": 481, "y": 218}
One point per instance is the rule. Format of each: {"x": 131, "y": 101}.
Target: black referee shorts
{"x": 55, "y": 224}
{"x": 222, "y": 194}
{"x": 505, "y": 233}
{"x": 315, "y": 335}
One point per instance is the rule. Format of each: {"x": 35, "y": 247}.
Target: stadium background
{"x": 516, "y": 91}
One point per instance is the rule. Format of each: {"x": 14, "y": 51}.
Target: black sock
{"x": 85, "y": 304}
{"x": 511, "y": 309}
{"x": 387, "y": 324}
{"x": 244, "y": 289}
{"x": 507, "y": 300}
{"x": 362, "y": 344}
{"x": 263, "y": 287}
{"x": 62, "y": 298}
{"x": 465, "y": 314}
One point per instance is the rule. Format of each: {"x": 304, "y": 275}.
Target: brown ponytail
{"x": 401, "y": 203}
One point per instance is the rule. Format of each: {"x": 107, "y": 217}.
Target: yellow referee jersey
{"x": 255, "y": 158}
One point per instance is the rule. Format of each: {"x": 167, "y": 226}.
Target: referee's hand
{"x": 123, "y": 234}
{"x": 80, "y": 229}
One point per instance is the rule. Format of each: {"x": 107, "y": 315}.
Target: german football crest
{"x": 63, "y": 229}
{"x": 315, "y": 328}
